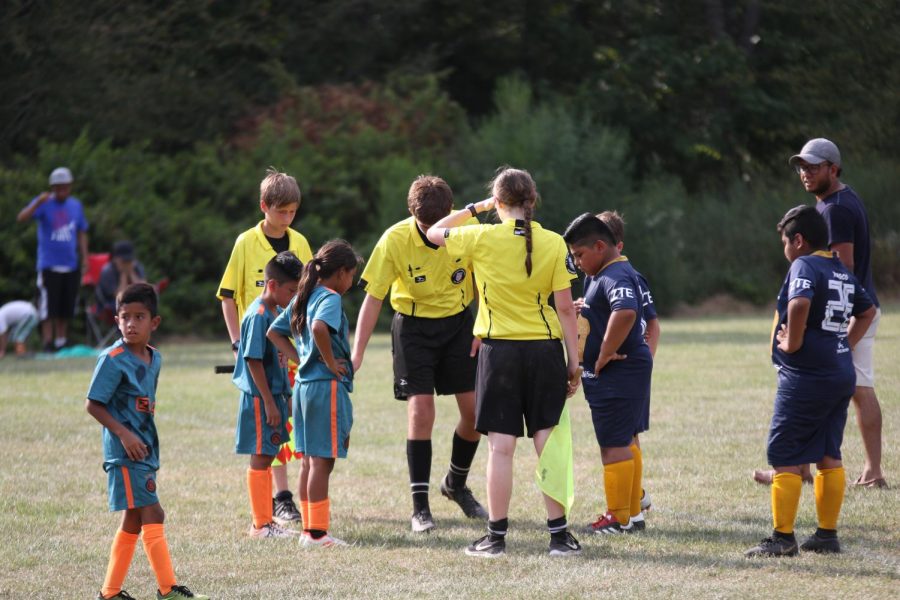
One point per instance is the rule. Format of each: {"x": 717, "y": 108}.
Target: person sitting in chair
{"x": 121, "y": 271}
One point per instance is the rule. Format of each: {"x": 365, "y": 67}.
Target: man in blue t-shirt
{"x": 62, "y": 236}
{"x": 819, "y": 167}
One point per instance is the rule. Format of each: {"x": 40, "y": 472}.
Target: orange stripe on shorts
{"x": 258, "y": 418}
{"x": 126, "y": 478}
{"x": 334, "y": 427}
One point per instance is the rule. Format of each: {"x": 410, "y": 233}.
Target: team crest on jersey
{"x": 144, "y": 405}
{"x": 570, "y": 264}
{"x": 457, "y": 276}
{"x": 275, "y": 439}
{"x": 150, "y": 485}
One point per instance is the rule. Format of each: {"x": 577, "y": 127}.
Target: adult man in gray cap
{"x": 819, "y": 167}
{"x": 62, "y": 236}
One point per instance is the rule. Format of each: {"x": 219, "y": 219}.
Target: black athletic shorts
{"x": 432, "y": 355}
{"x": 519, "y": 379}
{"x": 58, "y": 293}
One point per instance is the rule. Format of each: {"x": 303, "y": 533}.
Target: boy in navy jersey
{"x": 811, "y": 346}
{"x": 616, "y": 360}
{"x": 122, "y": 397}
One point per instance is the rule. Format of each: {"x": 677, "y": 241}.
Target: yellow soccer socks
{"x": 120, "y": 555}
{"x": 157, "y": 550}
{"x": 637, "y": 481}
{"x": 786, "y": 488}
{"x": 259, "y": 486}
{"x": 617, "y": 482}
{"x": 829, "y": 489}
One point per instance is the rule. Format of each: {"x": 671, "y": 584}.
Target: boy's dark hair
{"x": 429, "y": 199}
{"x": 279, "y": 189}
{"x": 138, "y": 292}
{"x": 616, "y": 224}
{"x": 806, "y": 221}
{"x": 516, "y": 187}
{"x": 587, "y": 229}
{"x": 333, "y": 256}
{"x": 284, "y": 267}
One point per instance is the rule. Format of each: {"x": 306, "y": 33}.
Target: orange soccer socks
{"x": 829, "y": 488}
{"x": 157, "y": 550}
{"x": 120, "y": 555}
{"x": 259, "y": 485}
{"x": 786, "y": 489}
{"x": 637, "y": 481}
{"x": 319, "y": 514}
{"x": 617, "y": 481}
{"x": 304, "y": 511}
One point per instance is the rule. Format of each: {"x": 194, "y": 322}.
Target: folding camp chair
{"x": 99, "y": 322}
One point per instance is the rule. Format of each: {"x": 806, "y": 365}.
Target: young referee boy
{"x": 823, "y": 312}
{"x": 431, "y": 340}
{"x": 617, "y": 365}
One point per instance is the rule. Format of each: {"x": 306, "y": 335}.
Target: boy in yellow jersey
{"x": 432, "y": 341}
{"x": 243, "y": 282}
{"x": 122, "y": 398}
{"x": 523, "y": 376}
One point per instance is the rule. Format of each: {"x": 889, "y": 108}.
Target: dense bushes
{"x": 184, "y": 210}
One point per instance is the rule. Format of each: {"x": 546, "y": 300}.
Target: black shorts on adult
{"x": 806, "y": 427}
{"x": 519, "y": 379}
{"x": 58, "y": 293}
{"x": 432, "y": 355}
{"x": 616, "y": 420}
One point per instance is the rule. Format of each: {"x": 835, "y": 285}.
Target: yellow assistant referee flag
{"x": 555, "y": 475}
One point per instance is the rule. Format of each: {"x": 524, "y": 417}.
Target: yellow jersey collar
{"x": 264, "y": 241}
{"x": 622, "y": 258}
{"x": 823, "y": 253}
{"x": 513, "y": 223}
{"x": 414, "y": 232}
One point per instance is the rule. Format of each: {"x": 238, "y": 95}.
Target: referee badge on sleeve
{"x": 570, "y": 264}
{"x": 457, "y": 276}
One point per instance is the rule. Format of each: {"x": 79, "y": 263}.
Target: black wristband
{"x": 471, "y": 208}
{"x": 235, "y": 344}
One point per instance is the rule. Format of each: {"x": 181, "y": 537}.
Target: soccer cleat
{"x": 646, "y": 503}
{"x": 776, "y": 545}
{"x": 180, "y": 591}
{"x": 487, "y": 548}
{"x": 271, "y": 530}
{"x": 607, "y": 524}
{"x": 566, "y": 546}
{"x": 822, "y": 545}
{"x": 285, "y": 511}
{"x": 464, "y": 498}
{"x": 326, "y": 541}
{"x": 122, "y": 595}
{"x": 422, "y": 521}
{"x": 636, "y": 524}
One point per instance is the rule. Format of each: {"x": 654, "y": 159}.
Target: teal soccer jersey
{"x": 126, "y": 385}
{"x": 255, "y": 345}
{"x": 323, "y": 305}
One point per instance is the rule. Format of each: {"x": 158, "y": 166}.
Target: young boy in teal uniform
{"x": 122, "y": 397}
{"x": 617, "y": 365}
{"x": 811, "y": 348}
{"x": 262, "y": 380}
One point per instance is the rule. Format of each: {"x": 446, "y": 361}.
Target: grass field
{"x": 712, "y": 398}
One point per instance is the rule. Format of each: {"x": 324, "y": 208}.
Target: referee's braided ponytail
{"x": 515, "y": 187}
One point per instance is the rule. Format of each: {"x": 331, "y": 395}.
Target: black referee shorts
{"x": 432, "y": 355}
{"x": 519, "y": 380}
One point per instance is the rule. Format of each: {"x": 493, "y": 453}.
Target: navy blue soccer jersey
{"x": 646, "y": 302}
{"x": 616, "y": 287}
{"x": 126, "y": 385}
{"x": 848, "y": 222}
{"x": 255, "y": 345}
{"x": 824, "y": 360}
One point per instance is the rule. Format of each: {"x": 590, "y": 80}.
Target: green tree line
{"x": 681, "y": 115}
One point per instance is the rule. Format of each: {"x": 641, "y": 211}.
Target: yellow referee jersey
{"x": 423, "y": 279}
{"x": 512, "y": 305}
{"x": 245, "y": 276}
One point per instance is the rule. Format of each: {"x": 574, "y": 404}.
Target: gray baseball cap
{"x": 818, "y": 151}
{"x": 60, "y": 176}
